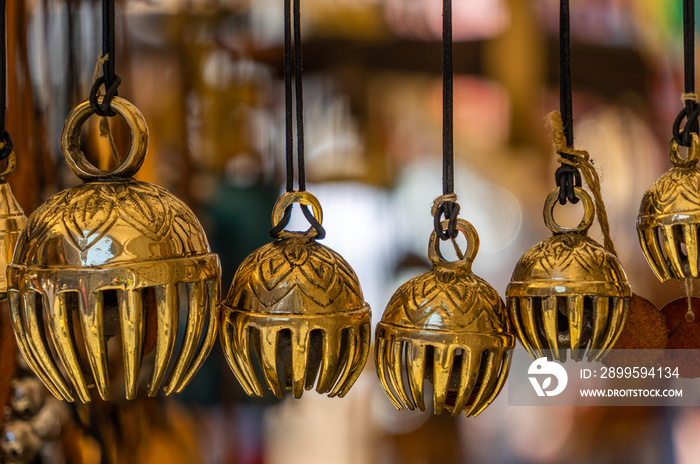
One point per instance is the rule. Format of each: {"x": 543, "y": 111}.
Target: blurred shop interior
{"x": 207, "y": 75}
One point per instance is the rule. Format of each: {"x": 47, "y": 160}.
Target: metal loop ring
{"x": 70, "y": 141}
{"x": 472, "y": 237}
{"x": 588, "y": 212}
{"x": 9, "y": 167}
{"x": 285, "y": 201}
{"x": 693, "y": 152}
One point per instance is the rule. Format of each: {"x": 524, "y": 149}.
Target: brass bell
{"x": 295, "y": 312}
{"x": 112, "y": 256}
{"x": 12, "y": 220}
{"x": 669, "y": 217}
{"x": 449, "y": 327}
{"x": 568, "y": 292}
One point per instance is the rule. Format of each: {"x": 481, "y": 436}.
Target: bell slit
{"x": 383, "y": 371}
{"x": 359, "y": 360}
{"x": 659, "y": 264}
{"x": 528, "y": 313}
{"x": 550, "y": 319}
{"x": 442, "y": 369}
{"x": 347, "y": 361}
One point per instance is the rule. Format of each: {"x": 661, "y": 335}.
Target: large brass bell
{"x": 568, "y": 292}
{"x": 295, "y": 308}
{"x": 449, "y": 327}
{"x": 669, "y": 217}
{"x": 112, "y": 256}
{"x": 12, "y": 220}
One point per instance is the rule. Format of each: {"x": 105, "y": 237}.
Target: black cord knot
{"x": 567, "y": 177}
{"x": 450, "y": 211}
{"x": 690, "y": 113}
{"x": 320, "y": 231}
{"x": 104, "y": 109}
{"x": 7, "y": 145}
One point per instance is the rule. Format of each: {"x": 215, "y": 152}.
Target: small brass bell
{"x": 568, "y": 291}
{"x": 669, "y": 217}
{"x": 12, "y": 220}
{"x": 112, "y": 256}
{"x": 295, "y": 307}
{"x": 447, "y": 326}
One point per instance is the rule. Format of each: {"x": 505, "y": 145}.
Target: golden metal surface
{"x": 568, "y": 292}
{"x": 295, "y": 312}
{"x": 449, "y": 327}
{"x": 103, "y": 259}
{"x": 669, "y": 217}
{"x": 12, "y": 220}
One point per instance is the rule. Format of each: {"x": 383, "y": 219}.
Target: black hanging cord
{"x": 6, "y": 140}
{"x": 447, "y": 209}
{"x": 293, "y": 27}
{"x": 691, "y": 109}
{"x": 566, "y": 176}
{"x": 109, "y": 77}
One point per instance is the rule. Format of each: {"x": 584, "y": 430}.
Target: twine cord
{"x": 690, "y": 315}
{"x": 580, "y": 159}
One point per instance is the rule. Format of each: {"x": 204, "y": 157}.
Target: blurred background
{"x": 207, "y": 75}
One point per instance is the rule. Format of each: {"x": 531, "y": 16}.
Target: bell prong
{"x": 443, "y": 358}
{"x": 359, "y": 359}
{"x": 672, "y": 251}
{"x": 348, "y": 360}
{"x": 133, "y": 333}
{"x": 241, "y": 353}
{"x": 23, "y": 345}
{"x": 690, "y": 235}
{"x": 36, "y": 343}
{"x": 238, "y": 358}
{"x": 329, "y": 363}
{"x": 550, "y": 322}
{"x": 601, "y": 311}
{"x": 415, "y": 367}
{"x": 268, "y": 359}
{"x": 382, "y": 371}
{"x": 168, "y": 309}
{"x": 193, "y": 332}
{"x": 574, "y": 305}
{"x": 652, "y": 246}
{"x": 528, "y": 315}
{"x": 486, "y": 380}
{"x": 300, "y": 359}
{"x": 395, "y": 360}
{"x": 617, "y": 319}
{"x": 502, "y": 373}
{"x": 212, "y": 286}
{"x": 60, "y": 329}
{"x": 467, "y": 380}
{"x": 516, "y": 318}
{"x": 92, "y": 321}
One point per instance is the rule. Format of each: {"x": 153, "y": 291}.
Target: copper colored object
{"x": 295, "y": 310}
{"x": 12, "y": 220}
{"x": 568, "y": 292}
{"x": 669, "y": 217}
{"x": 89, "y": 261}
{"x": 449, "y": 327}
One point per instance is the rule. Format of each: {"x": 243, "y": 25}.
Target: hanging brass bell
{"x": 449, "y": 327}
{"x": 12, "y": 220}
{"x": 669, "y": 217}
{"x": 110, "y": 257}
{"x": 568, "y": 292}
{"x": 294, "y": 312}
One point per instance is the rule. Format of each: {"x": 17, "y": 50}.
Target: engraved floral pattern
{"x": 295, "y": 275}
{"x": 136, "y": 220}
{"x": 447, "y": 299}
{"x": 676, "y": 191}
